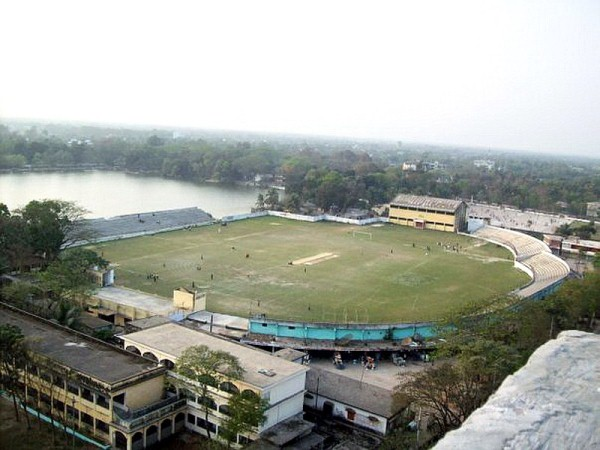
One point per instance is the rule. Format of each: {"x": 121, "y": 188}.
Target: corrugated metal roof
{"x": 419, "y": 201}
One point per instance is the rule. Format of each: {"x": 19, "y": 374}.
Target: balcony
{"x": 143, "y": 416}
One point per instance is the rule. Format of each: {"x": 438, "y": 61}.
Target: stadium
{"x": 299, "y": 277}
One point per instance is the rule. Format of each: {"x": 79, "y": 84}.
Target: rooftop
{"x": 148, "y": 322}
{"x": 91, "y": 357}
{"x": 418, "y": 201}
{"x": 172, "y": 339}
{"x": 140, "y": 300}
{"x": 289, "y": 354}
{"x": 361, "y": 394}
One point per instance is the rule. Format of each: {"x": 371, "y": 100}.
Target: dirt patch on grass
{"x": 316, "y": 259}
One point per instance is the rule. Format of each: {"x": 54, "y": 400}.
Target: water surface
{"x": 107, "y": 194}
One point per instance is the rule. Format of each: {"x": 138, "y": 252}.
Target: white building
{"x": 279, "y": 381}
{"x": 485, "y": 163}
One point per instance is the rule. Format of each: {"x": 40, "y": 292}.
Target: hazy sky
{"x": 508, "y": 74}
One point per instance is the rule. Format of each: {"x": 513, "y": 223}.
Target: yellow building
{"x": 102, "y": 392}
{"x": 429, "y": 213}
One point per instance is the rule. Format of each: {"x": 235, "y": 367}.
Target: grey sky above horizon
{"x": 501, "y": 74}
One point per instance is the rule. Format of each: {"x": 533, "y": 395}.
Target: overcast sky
{"x": 501, "y": 74}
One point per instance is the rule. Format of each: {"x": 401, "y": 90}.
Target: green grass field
{"x": 389, "y": 276}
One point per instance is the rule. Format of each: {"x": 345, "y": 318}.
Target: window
{"x": 206, "y": 425}
{"x": 229, "y": 387}
{"x": 45, "y": 399}
{"x": 101, "y": 401}
{"x": 87, "y": 419}
{"x": 87, "y": 394}
{"x": 72, "y": 412}
{"x": 102, "y": 426}
{"x": 46, "y": 377}
{"x": 58, "y": 381}
{"x": 243, "y": 440}
{"x": 191, "y": 418}
{"x": 350, "y": 414}
{"x": 58, "y": 405}
{"x": 73, "y": 389}
{"x": 32, "y": 393}
{"x": 120, "y": 399}
{"x": 207, "y": 401}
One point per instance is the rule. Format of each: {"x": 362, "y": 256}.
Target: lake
{"x": 107, "y": 194}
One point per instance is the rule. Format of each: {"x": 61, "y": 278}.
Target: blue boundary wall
{"x": 550, "y": 289}
{"x": 331, "y": 331}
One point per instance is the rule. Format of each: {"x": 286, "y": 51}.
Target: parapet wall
{"x": 304, "y": 218}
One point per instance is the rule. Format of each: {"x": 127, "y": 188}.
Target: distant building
{"x": 433, "y": 165}
{"x": 571, "y": 244}
{"x": 484, "y": 163}
{"x": 411, "y": 166}
{"x": 593, "y": 209}
{"x": 429, "y": 213}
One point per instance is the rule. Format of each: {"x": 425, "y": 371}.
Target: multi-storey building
{"x": 279, "y": 381}
{"x": 429, "y": 213}
{"x": 101, "y": 391}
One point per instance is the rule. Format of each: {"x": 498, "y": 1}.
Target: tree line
{"x": 332, "y": 175}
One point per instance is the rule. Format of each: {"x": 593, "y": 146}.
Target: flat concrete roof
{"x": 220, "y": 320}
{"x": 172, "y": 339}
{"x": 140, "y": 300}
{"x": 100, "y": 361}
{"x": 149, "y": 322}
{"x": 289, "y": 354}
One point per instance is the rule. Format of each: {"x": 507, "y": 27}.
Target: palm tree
{"x": 66, "y": 314}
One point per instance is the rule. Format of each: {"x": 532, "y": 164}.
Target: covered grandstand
{"x": 531, "y": 255}
{"x": 428, "y": 213}
{"x": 132, "y": 225}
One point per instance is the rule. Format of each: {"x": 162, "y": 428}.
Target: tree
{"x": 208, "y": 368}
{"x": 292, "y": 202}
{"x": 15, "y": 250}
{"x": 260, "y": 202}
{"x": 13, "y": 357}
{"x": 51, "y": 225}
{"x": 450, "y": 392}
{"x": 65, "y": 313}
{"x": 68, "y": 277}
{"x": 577, "y": 303}
{"x": 272, "y": 199}
{"x": 246, "y": 412}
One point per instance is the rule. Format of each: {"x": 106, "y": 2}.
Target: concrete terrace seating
{"x": 546, "y": 268}
{"x": 129, "y": 225}
{"x": 520, "y": 220}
